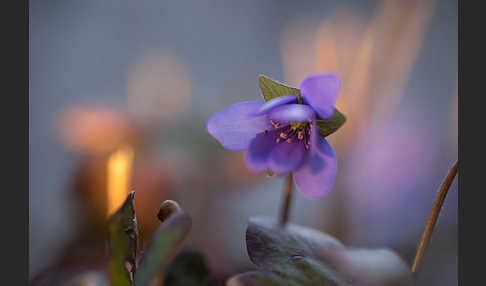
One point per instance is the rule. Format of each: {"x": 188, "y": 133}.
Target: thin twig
{"x": 288, "y": 193}
{"x": 429, "y": 227}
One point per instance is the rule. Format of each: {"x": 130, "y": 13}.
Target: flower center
{"x": 294, "y": 132}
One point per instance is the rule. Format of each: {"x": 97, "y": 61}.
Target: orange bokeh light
{"x": 119, "y": 172}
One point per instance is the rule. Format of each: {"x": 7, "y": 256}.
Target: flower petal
{"x": 320, "y": 91}
{"x": 292, "y": 113}
{"x": 235, "y": 126}
{"x": 259, "y": 150}
{"x": 316, "y": 176}
{"x": 271, "y": 104}
{"x": 287, "y": 157}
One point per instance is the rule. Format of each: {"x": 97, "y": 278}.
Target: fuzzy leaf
{"x": 308, "y": 257}
{"x": 164, "y": 246}
{"x": 189, "y": 268}
{"x": 291, "y": 252}
{"x": 123, "y": 242}
{"x": 272, "y": 89}
{"x": 328, "y": 126}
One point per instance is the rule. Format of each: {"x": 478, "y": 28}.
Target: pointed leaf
{"x": 163, "y": 247}
{"x": 123, "y": 243}
{"x": 328, "y": 126}
{"x": 272, "y": 89}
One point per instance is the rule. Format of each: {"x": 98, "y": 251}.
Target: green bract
{"x": 328, "y": 126}
{"x": 272, "y": 89}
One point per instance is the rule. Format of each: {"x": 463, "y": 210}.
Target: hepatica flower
{"x": 286, "y": 132}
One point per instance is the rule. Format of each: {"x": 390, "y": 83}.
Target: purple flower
{"x": 280, "y": 135}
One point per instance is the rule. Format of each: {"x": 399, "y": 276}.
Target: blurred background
{"x": 120, "y": 92}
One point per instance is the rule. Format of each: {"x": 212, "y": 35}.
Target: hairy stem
{"x": 429, "y": 227}
{"x": 287, "y": 200}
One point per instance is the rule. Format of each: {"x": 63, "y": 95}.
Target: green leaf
{"x": 123, "y": 243}
{"x": 328, "y": 126}
{"x": 272, "y": 89}
{"x": 297, "y": 255}
{"x": 189, "y": 268}
{"x": 163, "y": 247}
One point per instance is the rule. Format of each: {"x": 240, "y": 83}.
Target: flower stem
{"x": 429, "y": 227}
{"x": 288, "y": 193}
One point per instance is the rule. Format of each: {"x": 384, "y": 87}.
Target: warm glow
{"x": 373, "y": 59}
{"x": 94, "y": 129}
{"x": 119, "y": 168}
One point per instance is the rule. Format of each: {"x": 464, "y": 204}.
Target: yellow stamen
{"x": 298, "y": 125}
